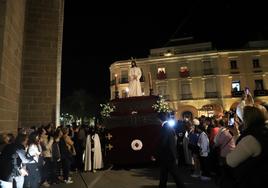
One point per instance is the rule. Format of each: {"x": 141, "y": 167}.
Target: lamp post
{"x": 116, "y": 87}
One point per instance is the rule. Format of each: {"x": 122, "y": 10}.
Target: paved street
{"x": 144, "y": 177}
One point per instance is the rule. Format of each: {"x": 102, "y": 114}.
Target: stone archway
{"x": 213, "y": 109}
{"x": 187, "y": 115}
{"x": 186, "y": 110}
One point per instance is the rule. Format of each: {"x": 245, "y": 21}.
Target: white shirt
{"x": 203, "y": 143}
{"x": 34, "y": 152}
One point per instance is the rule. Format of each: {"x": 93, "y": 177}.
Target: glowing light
{"x": 127, "y": 89}
{"x": 171, "y": 122}
{"x": 168, "y": 54}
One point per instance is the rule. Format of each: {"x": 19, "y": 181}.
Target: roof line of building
{"x": 188, "y": 55}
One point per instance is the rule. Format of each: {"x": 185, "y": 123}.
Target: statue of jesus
{"x": 134, "y": 75}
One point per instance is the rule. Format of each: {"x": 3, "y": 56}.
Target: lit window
{"x": 161, "y": 70}
{"x": 168, "y": 53}
{"x": 236, "y": 85}
{"x": 161, "y": 73}
{"x": 184, "y": 71}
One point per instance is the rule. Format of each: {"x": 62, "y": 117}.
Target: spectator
{"x": 248, "y": 161}
{"x": 167, "y": 154}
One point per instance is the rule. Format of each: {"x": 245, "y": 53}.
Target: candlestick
{"x": 116, "y": 87}
{"x": 115, "y": 79}
{"x": 150, "y": 80}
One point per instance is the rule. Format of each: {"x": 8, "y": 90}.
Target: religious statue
{"x": 134, "y": 80}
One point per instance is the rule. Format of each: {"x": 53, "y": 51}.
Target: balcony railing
{"x": 235, "y": 71}
{"x": 186, "y": 96}
{"x": 208, "y": 71}
{"x": 211, "y": 94}
{"x": 237, "y": 93}
{"x": 259, "y": 93}
{"x": 166, "y": 97}
{"x": 256, "y": 70}
{"x": 123, "y": 80}
{"x": 161, "y": 76}
{"x": 184, "y": 74}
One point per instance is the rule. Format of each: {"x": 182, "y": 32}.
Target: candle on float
{"x": 150, "y": 80}
{"x": 115, "y": 79}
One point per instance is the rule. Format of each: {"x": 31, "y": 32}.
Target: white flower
{"x": 106, "y": 109}
{"x": 161, "y": 105}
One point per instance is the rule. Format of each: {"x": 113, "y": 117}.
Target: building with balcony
{"x": 197, "y": 79}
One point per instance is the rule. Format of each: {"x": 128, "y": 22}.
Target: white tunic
{"x": 87, "y": 155}
{"x": 97, "y": 160}
{"x": 134, "y": 82}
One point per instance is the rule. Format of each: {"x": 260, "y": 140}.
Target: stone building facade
{"x": 199, "y": 80}
{"x": 30, "y": 62}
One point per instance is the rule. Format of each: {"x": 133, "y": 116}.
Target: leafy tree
{"x": 80, "y": 105}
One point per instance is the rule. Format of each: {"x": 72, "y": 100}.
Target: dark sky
{"x": 93, "y": 40}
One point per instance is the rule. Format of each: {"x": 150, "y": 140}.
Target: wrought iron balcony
{"x": 166, "y": 97}
{"x": 186, "y": 96}
{"x": 211, "y": 94}
{"x": 259, "y": 93}
{"x": 237, "y": 93}
{"x": 208, "y": 71}
{"x": 184, "y": 74}
{"x": 235, "y": 71}
{"x": 161, "y": 76}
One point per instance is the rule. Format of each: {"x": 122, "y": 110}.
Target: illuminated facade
{"x": 198, "y": 80}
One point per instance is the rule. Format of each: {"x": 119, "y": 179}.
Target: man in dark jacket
{"x": 167, "y": 154}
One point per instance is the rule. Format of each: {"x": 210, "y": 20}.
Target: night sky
{"x": 93, "y": 40}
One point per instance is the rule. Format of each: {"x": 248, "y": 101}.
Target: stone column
{"x": 40, "y": 91}
{"x": 12, "y": 14}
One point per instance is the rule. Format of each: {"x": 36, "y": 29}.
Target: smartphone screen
{"x": 231, "y": 122}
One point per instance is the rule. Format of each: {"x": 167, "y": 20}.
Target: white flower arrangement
{"x": 161, "y": 105}
{"x": 106, "y": 109}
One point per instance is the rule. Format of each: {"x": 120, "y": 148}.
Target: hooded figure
{"x": 97, "y": 156}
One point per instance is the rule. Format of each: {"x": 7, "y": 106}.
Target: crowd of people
{"x": 231, "y": 149}
{"x": 47, "y": 155}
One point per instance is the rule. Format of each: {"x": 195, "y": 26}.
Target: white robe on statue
{"x": 87, "y": 156}
{"x": 134, "y": 82}
{"x": 97, "y": 160}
